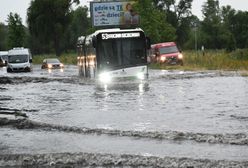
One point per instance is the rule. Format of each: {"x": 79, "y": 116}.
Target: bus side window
{"x": 148, "y": 43}
{"x": 94, "y": 41}
{"x": 156, "y": 52}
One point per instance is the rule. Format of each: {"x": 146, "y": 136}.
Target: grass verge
{"x": 66, "y": 58}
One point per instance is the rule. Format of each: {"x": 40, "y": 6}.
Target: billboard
{"x": 113, "y": 14}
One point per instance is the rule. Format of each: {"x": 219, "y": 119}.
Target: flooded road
{"x": 175, "y": 114}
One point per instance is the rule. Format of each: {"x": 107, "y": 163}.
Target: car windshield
{"x": 167, "y": 50}
{"x": 17, "y": 59}
{"x": 53, "y": 61}
{"x": 4, "y": 57}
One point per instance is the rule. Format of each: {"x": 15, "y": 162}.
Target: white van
{"x": 19, "y": 60}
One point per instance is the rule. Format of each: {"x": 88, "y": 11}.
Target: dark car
{"x": 2, "y": 62}
{"x": 51, "y": 63}
{"x": 3, "y": 58}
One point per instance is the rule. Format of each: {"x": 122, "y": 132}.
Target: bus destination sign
{"x": 106, "y": 36}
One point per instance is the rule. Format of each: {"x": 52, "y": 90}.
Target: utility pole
{"x": 195, "y": 30}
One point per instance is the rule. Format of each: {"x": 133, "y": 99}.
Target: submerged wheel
{"x": 27, "y": 69}
{"x": 180, "y": 63}
{"x": 9, "y": 70}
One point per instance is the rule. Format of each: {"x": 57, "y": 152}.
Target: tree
{"x": 48, "y": 21}
{"x": 216, "y": 26}
{"x": 184, "y": 20}
{"x": 178, "y": 15}
{"x": 79, "y": 25}
{"x": 211, "y": 24}
{"x": 239, "y": 28}
{"x": 16, "y": 33}
{"x": 227, "y": 15}
{"x": 153, "y": 22}
{"x": 194, "y": 36}
{"x": 3, "y": 37}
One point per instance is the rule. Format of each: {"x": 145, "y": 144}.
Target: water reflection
{"x": 115, "y": 99}
{"x": 140, "y": 87}
{"x": 168, "y": 103}
{"x": 177, "y": 105}
{"x": 51, "y": 70}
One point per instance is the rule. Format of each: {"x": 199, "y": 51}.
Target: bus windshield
{"x": 121, "y": 52}
{"x": 17, "y": 58}
{"x": 167, "y": 50}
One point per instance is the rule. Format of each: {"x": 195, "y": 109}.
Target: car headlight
{"x": 49, "y": 65}
{"x": 162, "y": 59}
{"x": 180, "y": 56}
{"x": 61, "y": 65}
{"x": 105, "y": 77}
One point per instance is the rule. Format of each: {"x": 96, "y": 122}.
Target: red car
{"x": 166, "y": 53}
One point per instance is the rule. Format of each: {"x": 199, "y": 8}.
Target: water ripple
{"x": 234, "y": 139}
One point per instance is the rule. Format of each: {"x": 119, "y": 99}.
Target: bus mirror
{"x": 157, "y": 54}
{"x": 94, "y": 41}
{"x": 148, "y": 43}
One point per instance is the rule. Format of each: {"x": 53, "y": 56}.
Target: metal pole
{"x": 195, "y": 37}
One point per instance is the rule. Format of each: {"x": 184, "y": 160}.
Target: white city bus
{"x": 114, "y": 53}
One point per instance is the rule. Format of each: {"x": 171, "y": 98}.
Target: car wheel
{"x": 9, "y": 70}
{"x": 28, "y": 69}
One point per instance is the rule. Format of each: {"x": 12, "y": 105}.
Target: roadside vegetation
{"x": 65, "y": 58}
{"x": 56, "y": 31}
{"x": 209, "y": 60}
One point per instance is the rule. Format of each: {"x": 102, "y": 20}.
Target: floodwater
{"x": 198, "y": 115}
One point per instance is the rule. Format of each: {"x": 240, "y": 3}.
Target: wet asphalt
{"x": 174, "y": 115}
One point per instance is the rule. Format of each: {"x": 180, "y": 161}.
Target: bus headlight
{"x": 91, "y": 63}
{"x": 105, "y": 77}
{"x": 180, "y": 56}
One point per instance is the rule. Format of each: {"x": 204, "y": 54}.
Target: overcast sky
{"x": 20, "y": 7}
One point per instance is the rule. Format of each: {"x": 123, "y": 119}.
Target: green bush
{"x": 240, "y": 54}
{"x": 216, "y": 60}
